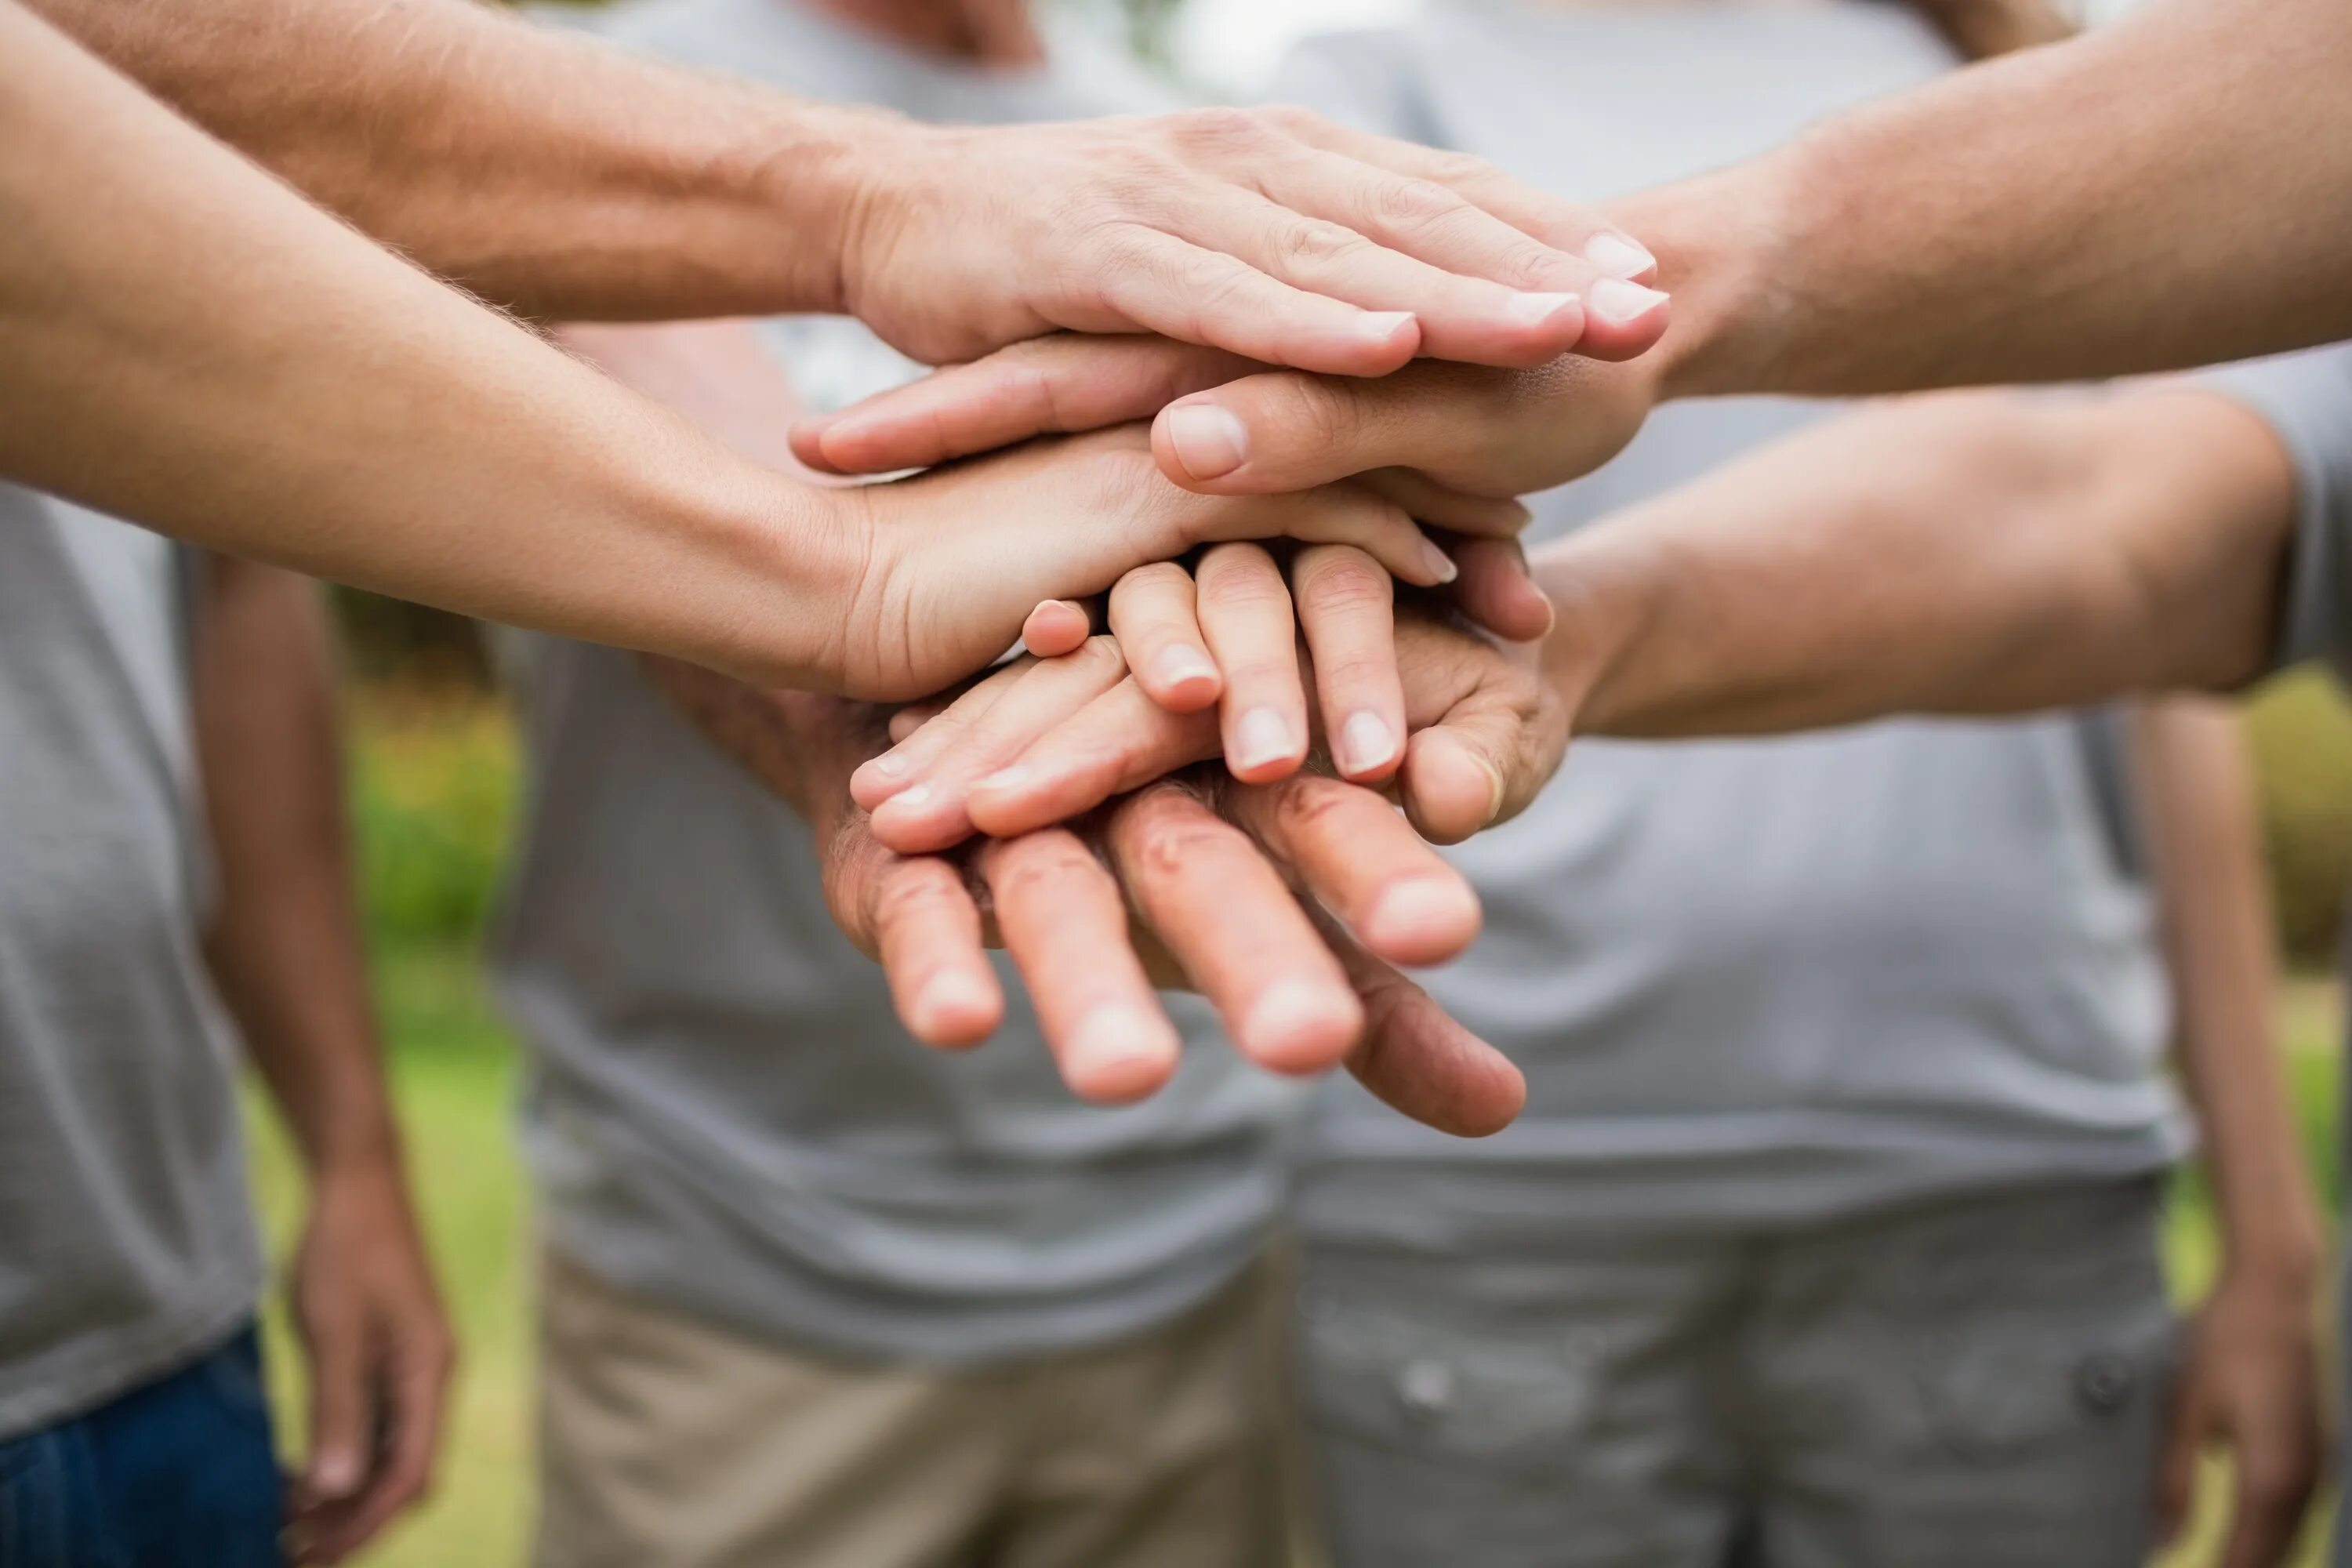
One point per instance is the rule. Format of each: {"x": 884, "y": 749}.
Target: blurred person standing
{"x": 814, "y": 1292}
{"x": 174, "y": 880}
{"x": 1829, "y": 1236}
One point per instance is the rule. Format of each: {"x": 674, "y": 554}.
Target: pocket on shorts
{"x": 1381, "y": 1375}
{"x": 2020, "y": 1379}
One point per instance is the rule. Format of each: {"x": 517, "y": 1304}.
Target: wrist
{"x": 795, "y": 553}
{"x": 826, "y": 173}
{"x": 1603, "y": 588}
{"x": 2285, "y": 1251}
{"x": 1724, "y": 244}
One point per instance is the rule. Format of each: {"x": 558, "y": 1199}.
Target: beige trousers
{"x": 669, "y": 1442}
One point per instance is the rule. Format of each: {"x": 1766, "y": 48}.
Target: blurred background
{"x": 433, "y": 774}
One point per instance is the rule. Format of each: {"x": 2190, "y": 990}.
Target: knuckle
{"x": 1293, "y": 120}
{"x": 1046, "y": 866}
{"x": 1256, "y": 593}
{"x": 1159, "y": 578}
{"x": 1342, "y": 580}
{"x": 906, "y": 896}
{"x": 1305, "y": 803}
{"x": 1447, "y": 166}
{"x": 1219, "y": 128}
{"x": 1321, "y": 413}
{"x": 1170, "y": 843}
{"x": 1314, "y": 248}
{"x": 1098, "y": 658}
{"x": 1413, "y": 207}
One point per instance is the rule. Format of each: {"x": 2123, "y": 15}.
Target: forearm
{"x": 2170, "y": 190}
{"x": 545, "y": 170}
{"x": 1985, "y": 553}
{"x": 285, "y": 947}
{"x": 184, "y": 342}
{"x": 2196, "y": 790}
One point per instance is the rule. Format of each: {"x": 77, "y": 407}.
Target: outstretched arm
{"x": 568, "y": 179}
{"x": 2173, "y": 189}
{"x": 1971, "y": 553}
{"x": 1976, "y": 552}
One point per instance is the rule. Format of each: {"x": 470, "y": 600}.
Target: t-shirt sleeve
{"x": 2306, "y": 399}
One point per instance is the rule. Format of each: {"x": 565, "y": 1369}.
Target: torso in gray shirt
{"x": 1752, "y": 983}
{"x": 725, "y": 1116}
{"x": 126, "y": 1244}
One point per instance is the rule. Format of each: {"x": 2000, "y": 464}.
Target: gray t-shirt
{"x": 724, "y": 1114}
{"x": 1752, "y": 983}
{"x": 126, "y": 1242}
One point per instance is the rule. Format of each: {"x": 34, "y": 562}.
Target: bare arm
{"x": 2173, "y": 189}
{"x": 2251, "y": 1379}
{"x": 570, "y": 179}
{"x": 184, "y": 342}
{"x": 1976, "y": 553}
{"x": 285, "y": 948}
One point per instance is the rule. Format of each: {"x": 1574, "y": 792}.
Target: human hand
{"x": 2251, "y": 1382}
{"x": 952, "y": 562}
{"x": 1224, "y": 426}
{"x": 380, "y": 1354}
{"x": 1269, "y": 232}
{"x": 1045, "y": 740}
{"x": 1206, "y": 869}
{"x": 1221, "y": 631}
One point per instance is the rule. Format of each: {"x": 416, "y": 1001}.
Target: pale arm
{"x": 185, "y": 342}
{"x": 573, "y": 180}
{"x": 285, "y": 948}
{"x": 1978, "y": 552}
{"x": 2173, "y": 189}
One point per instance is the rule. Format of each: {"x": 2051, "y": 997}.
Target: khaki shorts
{"x": 669, "y": 1442}
{"x": 1980, "y": 1386}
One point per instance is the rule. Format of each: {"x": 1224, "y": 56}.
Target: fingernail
{"x": 889, "y": 765}
{"x": 1441, "y": 564}
{"x": 1617, "y": 256}
{"x": 1381, "y": 325}
{"x": 1494, "y": 791}
{"x": 1616, "y": 300}
{"x": 335, "y": 1473}
{"x": 1366, "y": 742}
{"x": 1210, "y": 442}
{"x": 1118, "y": 1050}
{"x": 1180, "y": 664}
{"x": 951, "y": 997}
{"x": 1297, "y": 1026}
{"x": 1262, "y": 739}
{"x": 1006, "y": 779}
{"x": 913, "y": 799}
{"x": 1534, "y": 309}
{"x": 1421, "y": 921}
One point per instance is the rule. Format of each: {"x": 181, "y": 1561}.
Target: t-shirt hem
{"x": 893, "y": 1330}
{"x": 87, "y": 1374}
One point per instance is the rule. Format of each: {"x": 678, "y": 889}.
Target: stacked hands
{"x": 1149, "y": 796}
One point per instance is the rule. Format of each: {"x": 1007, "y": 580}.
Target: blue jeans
{"x": 178, "y": 1473}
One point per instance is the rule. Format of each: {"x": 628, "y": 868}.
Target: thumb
{"x": 1286, "y": 430}
{"x": 342, "y": 1402}
{"x": 1472, "y": 769}
{"x": 2184, "y": 1447}
{"x": 1051, "y": 385}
